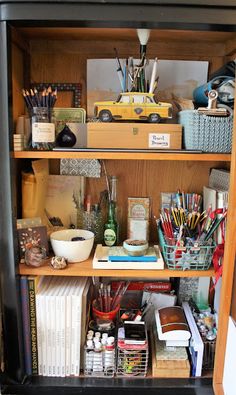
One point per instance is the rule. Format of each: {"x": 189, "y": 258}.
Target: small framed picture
{"x": 75, "y": 88}
{"x": 31, "y": 237}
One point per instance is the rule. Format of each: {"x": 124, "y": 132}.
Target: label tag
{"x": 43, "y": 132}
{"x": 159, "y": 140}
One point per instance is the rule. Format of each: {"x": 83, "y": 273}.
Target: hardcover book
{"x": 26, "y": 324}
{"x": 118, "y": 254}
{"x": 33, "y": 283}
{"x": 102, "y": 260}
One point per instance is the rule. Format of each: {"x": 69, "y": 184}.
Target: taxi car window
{"x": 149, "y": 100}
{"x": 124, "y": 99}
{"x": 138, "y": 99}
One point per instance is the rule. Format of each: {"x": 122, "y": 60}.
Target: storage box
{"x": 206, "y": 133}
{"x": 132, "y": 359}
{"x": 134, "y": 135}
{"x": 167, "y": 362}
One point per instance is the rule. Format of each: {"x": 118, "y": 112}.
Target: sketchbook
{"x": 101, "y": 260}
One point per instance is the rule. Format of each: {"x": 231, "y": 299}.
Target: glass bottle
{"x": 42, "y": 128}
{"x": 113, "y": 184}
{"x": 110, "y": 228}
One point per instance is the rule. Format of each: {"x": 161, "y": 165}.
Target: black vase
{"x": 66, "y": 138}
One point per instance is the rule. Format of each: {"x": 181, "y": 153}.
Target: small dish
{"x": 135, "y": 247}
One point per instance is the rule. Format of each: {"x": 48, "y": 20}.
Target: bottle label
{"x": 43, "y": 132}
{"x": 109, "y": 237}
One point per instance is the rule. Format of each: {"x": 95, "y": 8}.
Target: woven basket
{"x": 206, "y": 133}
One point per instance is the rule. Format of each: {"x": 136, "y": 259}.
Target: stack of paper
{"x": 59, "y": 313}
{"x": 116, "y": 258}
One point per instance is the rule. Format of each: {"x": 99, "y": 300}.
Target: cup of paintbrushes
{"x": 102, "y": 311}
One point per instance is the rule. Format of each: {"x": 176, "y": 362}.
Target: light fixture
{"x": 143, "y": 35}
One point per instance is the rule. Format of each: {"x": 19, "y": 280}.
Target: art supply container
{"x": 132, "y": 359}
{"x": 91, "y": 220}
{"x": 102, "y": 315}
{"x": 100, "y": 355}
{"x": 42, "y": 128}
{"x": 206, "y": 133}
{"x": 196, "y": 257}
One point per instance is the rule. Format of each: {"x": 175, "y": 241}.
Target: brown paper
{"x": 34, "y": 188}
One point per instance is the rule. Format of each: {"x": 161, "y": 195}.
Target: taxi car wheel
{"x": 154, "y": 118}
{"x": 105, "y": 116}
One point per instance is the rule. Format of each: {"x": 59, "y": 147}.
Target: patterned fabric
{"x": 80, "y": 167}
{"x": 169, "y": 353}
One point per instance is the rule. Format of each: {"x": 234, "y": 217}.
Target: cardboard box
{"x": 134, "y": 135}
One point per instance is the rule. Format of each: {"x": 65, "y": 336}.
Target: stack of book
{"x": 117, "y": 258}
{"x": 54, "y": 324}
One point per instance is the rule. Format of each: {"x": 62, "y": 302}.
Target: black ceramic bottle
{"x": 66, "y": 138}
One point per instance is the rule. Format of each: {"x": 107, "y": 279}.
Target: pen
{"x": 215, "y": 225}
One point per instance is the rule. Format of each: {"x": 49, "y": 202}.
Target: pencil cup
{"x": 91, "y": 220}
{"x": 104, "y": 315}
{"x": 42, "y": 128}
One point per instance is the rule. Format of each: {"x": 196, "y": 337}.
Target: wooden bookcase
{"x": 41, "y": 43}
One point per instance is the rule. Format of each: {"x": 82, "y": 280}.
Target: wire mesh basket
{"x": 196, "y": 257}
{"x": 132, "y": 358}
{"x": 208, "y": 354}
{"x": 131, "y": 362}
{"x": 99, "y": 364}
{"x": 206, "y": 133}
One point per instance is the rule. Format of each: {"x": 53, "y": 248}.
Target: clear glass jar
{"x": 42, "y": 128}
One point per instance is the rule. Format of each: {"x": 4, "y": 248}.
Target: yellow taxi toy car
{"x": 133, "y": 106}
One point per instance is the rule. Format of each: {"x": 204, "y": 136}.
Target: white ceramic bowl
{"x": 73, "y": 251}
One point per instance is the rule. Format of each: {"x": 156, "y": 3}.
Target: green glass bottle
{"x": 110, "y": 228}
{"x": 113, "y": 186}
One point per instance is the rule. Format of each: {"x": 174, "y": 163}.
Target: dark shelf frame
{"x": 206, "y": 15}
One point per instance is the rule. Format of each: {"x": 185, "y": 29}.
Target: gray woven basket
{"x": 206, "y": 133}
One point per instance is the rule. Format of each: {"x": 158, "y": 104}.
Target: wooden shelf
{"x": 122, "y": 155}
{"x": 86, "y": 269}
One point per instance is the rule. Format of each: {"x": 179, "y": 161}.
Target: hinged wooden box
{"x": 134, "y": 135}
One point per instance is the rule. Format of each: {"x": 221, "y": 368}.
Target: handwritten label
{"x": 159, "y": 140}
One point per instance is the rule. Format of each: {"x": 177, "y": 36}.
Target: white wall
{"x": 229, "y": 378}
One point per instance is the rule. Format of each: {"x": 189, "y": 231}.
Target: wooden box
{"x": 164, "y": 365}
{"x": 134, "y": 135}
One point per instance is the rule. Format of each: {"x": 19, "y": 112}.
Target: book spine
{"x": 26, "y": 324}
{"x": 43, "y": 334}
{"x": 58, "y": 336}
{"x": 77, "y": 334}
{"x": 53, "y": 319}
{"x": 68, "y": 335}
{"x": 48, "y": 337}
{"x": 73, "y": 336}
{"x": 63, "y": 337}
{"x": 39, "y": 323}
{"x": 33, "y": 326}
{"x": 160, "y": 286}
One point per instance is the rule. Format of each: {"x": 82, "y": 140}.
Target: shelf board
{"x": 85, "y": 268}
{"x": 122, "y": 155}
